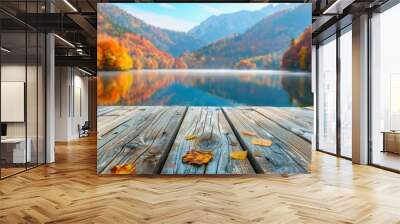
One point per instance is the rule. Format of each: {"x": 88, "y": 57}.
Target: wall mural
{"x": 196, "y": 88}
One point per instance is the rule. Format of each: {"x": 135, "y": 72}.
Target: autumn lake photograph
{"x": 201, "y": 89}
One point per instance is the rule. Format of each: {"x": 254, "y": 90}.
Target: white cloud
{"x": 211, "y": 9}
{"x": 166, "y": 6}
{"x": 162, "y": 21}
{"x": 230, "y": 8}
{"x": 256, "y": 6}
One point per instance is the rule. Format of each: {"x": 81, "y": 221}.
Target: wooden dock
{"x": 154, "y": 139}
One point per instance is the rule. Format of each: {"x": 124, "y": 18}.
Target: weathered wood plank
{"x": 298, "y": 143}
{"x": 107, "y": 134}
{"x": 213, "y": 134}
{"x": 112, "y": 120}
{"x": 108, "y": 145}
{"x": 101, "y": 110}
{"x": 282, "y": 156}
{"x": 144, "y": 140}
{"x": 304, "y": 113}
{"x": 296, "y": 120}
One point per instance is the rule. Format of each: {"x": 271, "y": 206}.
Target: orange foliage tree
{"x": 148, "y": 55}
{"x": 111, "y": 55}
{"x": 245, "y": 64}
{"x": 180, "y": 63}
{"x": 298, "y": 55}
{"x": 151, "y": 63}
{"x": 304, "y": 58}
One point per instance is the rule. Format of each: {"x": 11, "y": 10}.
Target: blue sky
{"x": 183, "y": 16}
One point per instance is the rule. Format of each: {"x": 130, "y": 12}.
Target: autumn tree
{"x": 111, "y": 55}
{"x": 245, "y": 64}
{"x": 146, "y": 54}
{"x": 304, "y": 58}
{"x": 136, "y": 63}
{"x": 150, "y": 63}
{"x": 292, "y": 42}
{"x": 180, "y": 64}
{"x": 298, "y": 55}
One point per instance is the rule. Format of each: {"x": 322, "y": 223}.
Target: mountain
{"x": 298, "y": 55}
{"x": 173, "y": 42}
{"x": 217, "y": 27}
{"x": 272, "y": 34}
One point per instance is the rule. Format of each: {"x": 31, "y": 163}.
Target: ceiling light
{"x": 64, "y": 40}
{"x": 70, "y": 5}
{"x": 5, "y": 50}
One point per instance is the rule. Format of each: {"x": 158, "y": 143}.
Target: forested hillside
{"x": 114, "y": 21}
{"x": 298, "y": 56}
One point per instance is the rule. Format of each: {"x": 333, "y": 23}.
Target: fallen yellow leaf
{"x": 248, "y": 133}
{"x": 123, "y": 169}
{"x": 261, "y": 142}
{"x": 239, "y": 155}
{"x": 190, "y": 137}
{"x": 196, "y": 157}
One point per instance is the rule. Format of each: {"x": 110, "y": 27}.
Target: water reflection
{"x": 204, "y": 88}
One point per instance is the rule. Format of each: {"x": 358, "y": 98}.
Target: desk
{"x": 391, "y": 141}
{"x": 13, "y": 150}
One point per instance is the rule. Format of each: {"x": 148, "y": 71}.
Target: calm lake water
{"x": 204, "y": 88}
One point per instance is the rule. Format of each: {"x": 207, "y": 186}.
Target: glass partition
{"x": 13, "y": 94}
{"x": 22, "y": 88}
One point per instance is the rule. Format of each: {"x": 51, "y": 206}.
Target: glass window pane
{"x": 385, "y": 87}
{"x": 346, "y": 94}
{"x": 327, "y": 96}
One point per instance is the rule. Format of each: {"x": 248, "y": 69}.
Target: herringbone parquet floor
{"x": 70, "y": 192}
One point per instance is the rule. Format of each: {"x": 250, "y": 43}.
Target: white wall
{"x": 14, "y": 73}
{"x": 61, "y": 103}
{"x": 71, "y": 102}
